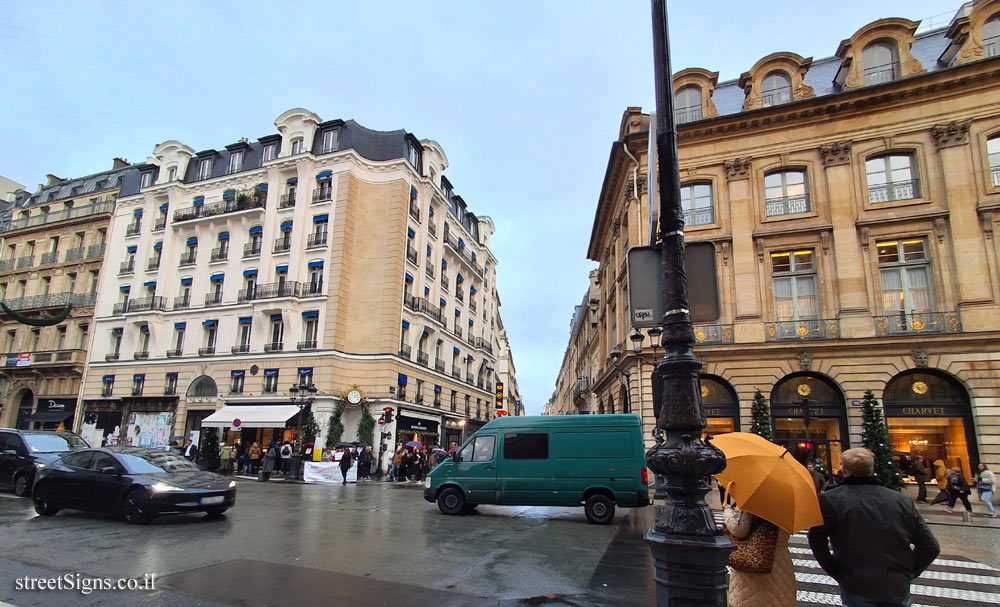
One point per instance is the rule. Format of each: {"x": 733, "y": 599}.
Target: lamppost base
{"x": 295, "y": 470}
{"x": 690, "y": 571}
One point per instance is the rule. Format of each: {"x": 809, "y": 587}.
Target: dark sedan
{"x": 134, "y": 482}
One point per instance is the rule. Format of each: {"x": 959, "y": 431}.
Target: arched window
{"x": 203, "y": 386}
{"x": 991, "y": 36}
{"x": 687, "y": 104}
{"x": 776, "y": 89}
{"x": 892, "y": 177}
{"x": 785, "y": 193}
{"x": 881, "y": 63}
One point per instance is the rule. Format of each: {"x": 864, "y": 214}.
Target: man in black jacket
{"x": 871, "y": 529}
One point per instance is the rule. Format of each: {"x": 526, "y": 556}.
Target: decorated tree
{"x": 760, "y": 417}
{"x": 209, "y": 452}
{"x": 366, "y": 427}
{"x": 309, "y": 429}
{"x": 875, "y": 438}
{"x": 336, "y": 427}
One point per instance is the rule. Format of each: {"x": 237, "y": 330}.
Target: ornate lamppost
{"x": 689, "y": 551}
{"x": 302, "y": 397}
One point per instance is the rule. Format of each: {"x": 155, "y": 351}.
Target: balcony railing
{"x": 213, "y": 299}
{"x": 439, "y": 365}
{"x": 581, "y": 389}
{"x": 896, "y": 190}
{"x": 422, "y": 358}
{"x": 251, "y": 250}
{"x": 788, "y": 205}
{"x": 699, "y": 217}
{"x": 106, "y": 206}
{"x": 182, "y": 302}
{"x": 689, "y": 114}
{"x": 160, "y": 224}
{"x": 472, "y": 304}
{"x": 452, "y": 241}
{"x": 419, "y": 304}
{"x": 112, "y": 356}
{"x": 286, "y": 201}
{"x": 50, "y": 300}
{"x": 995, "y": 171}
{"x": 140, "y": 355}
{"x": 414, "y": 212}
{"x": 25, "y": 262}
{"x": 411, "y": 254}
{"x": 282, "y": 245}
{"x": 404, "y": 352}
{"x": 219, "y": 254}
{"x": 429, "y": 269}
{"x": 322, "y": 195}
{"x": 802, "y": 330}
{"x": 713, "y": 334}
{"x": 48, "y": 258}
{"x": 153, "y": 264}
{"x": 456, "y": 373}
{"x": 482, "y": 344}
{"x": 459, "y": 294}
{"x": 432, "y": 228}
{"x": 6, "y": 264}
{"x": 173, "y": 353}
{"x": 133, "y": 228}
{"x": 316, "y": 239}
{"x": 126, "y": 267}
{"x": 75, "y": 254}
{"x": 241, "y": 349}
{"x": 312, "y": 288}
{"x": 918, "y": 323}
{"x": 119, "y": 308}
{"x": 188, "y": 259}
{"x": 445, "y": 283}
{"x": 880, "y": 73}
{"x": 457, "y": 330}
{"x": 306, "y": 345}
{"x": 470, "y": 379}
{"x": 776, "y": 97}
{"x": 229, "y": 205}
{"x": 274, "y": 346}
{"x": 479, "y": 382}
{"x": 206, "y": 351}
{"x": 146, "y": 304}
{"x": 96, "y": 250}
{"x": 289, "y": 288}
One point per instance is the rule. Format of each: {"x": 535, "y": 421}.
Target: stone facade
{"x": 853, "y": 229}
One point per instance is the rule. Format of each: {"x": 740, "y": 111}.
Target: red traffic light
{"x": 501, "y": 413}
{"x": 387, "y": 415}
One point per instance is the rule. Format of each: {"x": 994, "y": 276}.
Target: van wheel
{"x": 599, "y": 509}
{"x": 451, "y": 501}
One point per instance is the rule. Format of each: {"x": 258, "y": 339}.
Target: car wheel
{"x": 132, "y": 509}
{"x": 44, "y": 506}
{"x": 21, "y": 485}
{"x": 215, "y": 513}
{"x": 599, "y": 509}
{"x": 451, "y": 501}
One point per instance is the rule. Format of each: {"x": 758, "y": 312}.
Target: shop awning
{"x": 50, "y": 416}
{"x": 251, "y": 416}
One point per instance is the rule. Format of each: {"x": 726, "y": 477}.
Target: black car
{"x": 134, "y": 482}
{"x": 24, "y": 452}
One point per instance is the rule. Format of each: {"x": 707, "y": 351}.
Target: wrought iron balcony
{"x": 432, "y": 228}
{"x": 227, "y": 206}
{"x": 213, "y": 299}
{"x": 206, "y": 351}
{"x": 241, "y": 349}
{"x": 789, "y": 205}
{"x": 896, "y": 190}
{"x": 251, "y": 250}
{"x": 48, "y": 258}
{"x": 422, "y": 358}
{"x": 699, "y": 217}
{"x": 444, "y": 281}
{"x": 803, "y": 330}
{"x": 141, "y": 355}
{"x": 146, "y": 304}
{"x": 153, "y": 264}
{"x": 483, "y": 344}
{"x": 463, "y": 253}
{"x": 188, "y": 259}
{"x": 457, "y": 330}
{"x": 776, "y": 97}
{"x": 429, "y": 269}
{"x": 459, "y": 294}
{"x": 995, "y": 172}
{"x": 6, "y": 264}
{"x": 25, "y": 262}
{"x": 470, "y": 379}
{"x": 219, "y": 254}
{"x": 581, "y": 390}
{"x": 713, "y": 334}
{"x": 322, "y": 194}
{"x": 316, "y": 239}
{"x": 133, "y": 228}
{"x": 439, "y": 365}
{"x": 274, "y": 346}
{"x": 75, "y": 254}
{"x": 126, "y": 267}
{"x": 173, "y": 353}
{"x": 456, "y": 373}
{"x": 411, "y": 254}
{"x": 879, "y": 74}
{"x": 96, "y": 250}
{"x": 414, "y": 211}
{"x": 112, "y": 356}
{"x": 306, "y": 345}
{"x": 404, "y": 352}
{"x": 182, "y": 302}
{"x": 106, "y": 206}
{"x": 286, "y": 201}
{"x": 312, "y": 288}
{"x": 274, "y": 290}
{"x": 689, "y": 114}
{"x": 472, "y": 304}
{"x": 120, "y": 308}
{"x": 50, "y": 300}
{"x": 160, "y": 224}
{"x": 282, "y": 245}
{"x": 918, "y": 323}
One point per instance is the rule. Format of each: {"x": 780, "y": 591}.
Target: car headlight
{"x": 427, "y": 483}
{"x": 232, "y": 484}
{"x": 164, "y": 487}
{"x": 39, "y": 465}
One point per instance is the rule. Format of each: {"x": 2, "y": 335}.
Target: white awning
{"x": 251, "y": 416}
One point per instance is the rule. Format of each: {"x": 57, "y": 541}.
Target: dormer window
{"x": 236, "y": 162}
{"x": 413, "y": 155}
{"x": 687, "y": 105}
{"x": 881, "y": 63}
{"x": 268, "y": 153}
{"x": 991, "y": 36}
{"x": 171, "y": 173}
{"x": 146, "y": 180}
{"x": 205, "y": 168}
{"x": 776, "y": 89}
{"x": 296, "y": 146}
{"x": 331, "y": 139}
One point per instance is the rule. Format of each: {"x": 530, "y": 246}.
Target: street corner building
{"x": 852, "y": 203}
{"x": 326, "y": 255}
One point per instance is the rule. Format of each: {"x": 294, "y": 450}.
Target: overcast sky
{"x": 525, "y": 97}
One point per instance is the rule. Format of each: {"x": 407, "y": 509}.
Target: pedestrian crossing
{"x": 950, "y": 581}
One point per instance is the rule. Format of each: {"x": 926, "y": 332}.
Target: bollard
{"x": 966, "y": 516}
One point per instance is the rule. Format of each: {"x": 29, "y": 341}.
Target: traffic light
{"x": 387, "y": 413}
{"x": 501, "y": 414}
{"x": 499, "y": 395}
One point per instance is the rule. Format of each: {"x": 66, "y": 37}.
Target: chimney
{"x": 119, "y": 163}
{"x": 53, "y": 180}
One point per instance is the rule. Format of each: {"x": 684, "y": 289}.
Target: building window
{"x": 881, "y": 63}
{"x": 146, "y": 180}
{"x": 296, "y": 146}
{"x": 991, "y": 36}
{"x": 11, "y": 340}
{"x": 210, "y": 333}
{"x": 179, "y": 329}
{"x": 236, "y": 162}
{"x": 413, "y": 155}
{"x": 905, "y": 269}
{"x": 246, "y": 327}
{"x": 892, "y": 177}
{"x": 60, "y": 337}
{"x": 687, "y": 104}
{"x": 205, "y": 168}
{"x": 107, "y": 385}
{"x": 277, "y": 333}
{"x": 170, "y": 387}
{"x": 116, "y": 342}
{"x": 795, "y": 294}
{"x": 35, "y": 336}
{"x": 138, "y": 383}
{"x": 310, "y": 325}
{"x": 993, "y": 151}
{"x": 785, "y": 193}
{"x": 330, "y": 141}
{"x": 237, "y": 382}
{"x": 171, "y": 173}
{"x": 268, "y": 153}
{"x": 776, "y": 89}
{"x": 82, "y": 344}
{"x": 696, "y": 200}
{"x": 270, "y": 380}
{"x": 305, "y": 376}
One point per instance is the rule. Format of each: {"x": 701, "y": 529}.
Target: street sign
{"x": 501, "y": 413}
{"x": 381, "y": 420}
{"x": 237, "y": 423}
{"x": 645, "y": 281}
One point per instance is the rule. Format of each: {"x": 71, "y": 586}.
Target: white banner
{"x": 327, "y": 473}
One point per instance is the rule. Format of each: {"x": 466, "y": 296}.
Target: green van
{"x": 596, "y": 461}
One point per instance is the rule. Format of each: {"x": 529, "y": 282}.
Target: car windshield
{"x": 155, "y": 462}
{"x": 54, "y": 443}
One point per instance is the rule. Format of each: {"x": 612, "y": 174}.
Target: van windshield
{"x": 479, "y": 450}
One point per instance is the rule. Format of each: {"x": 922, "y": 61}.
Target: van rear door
{"x": 476, "y": 469}
{"x": 526, "y": 470}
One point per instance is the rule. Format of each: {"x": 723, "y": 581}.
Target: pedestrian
{"x": 819, "y": 481}
{"x": 941, "y": 477}
{"x": 224, "y": 452}
{"x": 397, "y": 462}
{"x": 254, "y": 457}
{"x": 191, "y": 451}
{"x": 918, "y": 469}
{"x": 871, "y": 530}
{"x": 345, "y": 463}
{"x": 270, "y": 456}
{"x": 404, "y": 465}
{"x": 749, "y": 589}
{"x": 986, "y": 484}
{"x": 958, "y": 489}
{"x": 286, "y": 457}
{"x": 234, "y": 455}
{"x": 365, "y": 461}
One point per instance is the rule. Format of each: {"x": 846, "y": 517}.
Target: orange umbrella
{"x": 766, "y": 480}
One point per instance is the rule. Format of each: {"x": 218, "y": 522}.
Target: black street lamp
{"x": 302, "y": 397}
{"x": 689, "y": 551}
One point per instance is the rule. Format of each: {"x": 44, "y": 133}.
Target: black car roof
{"x": 130, "y": 450}
{"x": 19, "y": 431}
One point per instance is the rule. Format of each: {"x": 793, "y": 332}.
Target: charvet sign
{"x": 925, "y": 411}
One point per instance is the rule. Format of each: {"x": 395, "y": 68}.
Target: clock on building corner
{"x": 354, "y": 396}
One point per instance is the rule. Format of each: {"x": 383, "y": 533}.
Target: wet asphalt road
{"x": 367, "y": 544}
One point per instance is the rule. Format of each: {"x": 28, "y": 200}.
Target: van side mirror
{"x": 456, "y": 457}
{"x": 109, "y": 470}
{"x": 11, "y": 452}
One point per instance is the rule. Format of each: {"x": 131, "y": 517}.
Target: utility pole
{"x": 689, "y": 551}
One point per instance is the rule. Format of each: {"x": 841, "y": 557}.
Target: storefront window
{"x": 801, "y": 397}
{"x": 719, "y": 402}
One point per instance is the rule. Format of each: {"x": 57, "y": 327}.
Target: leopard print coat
{"x": 775, "y": 589}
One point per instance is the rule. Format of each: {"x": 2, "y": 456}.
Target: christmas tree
{"x": 336, "y": 427}
{"x": 366, "y": 427}
{"x": 760, "y": 417}
{"x": 875, "y": 438}
{"x": 309, "y": 429}
{"x": 209, "y": 453}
